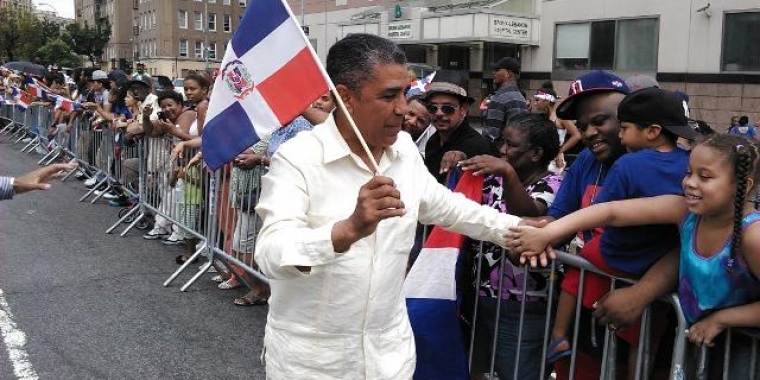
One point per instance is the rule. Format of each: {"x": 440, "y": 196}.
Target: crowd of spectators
{"x": 543, "y": 158}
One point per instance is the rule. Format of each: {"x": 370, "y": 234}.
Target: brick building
{"x": 170, "y": 37}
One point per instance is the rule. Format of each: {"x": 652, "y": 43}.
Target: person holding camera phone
{"x": 180, "y": 123}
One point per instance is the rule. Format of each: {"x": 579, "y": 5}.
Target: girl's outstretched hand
{"x": 532, "y": 242}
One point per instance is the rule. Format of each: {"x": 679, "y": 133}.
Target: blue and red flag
{"x": 269, "y": 75}
{"x": 432, "y": 300}
{"x": 420, "y": 85}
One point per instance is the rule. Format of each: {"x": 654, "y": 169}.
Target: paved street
{"x": 92, "y": 306}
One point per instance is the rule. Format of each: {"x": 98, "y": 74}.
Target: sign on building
{"x": 511, "y": 28}
{"x": 400, "y": 30}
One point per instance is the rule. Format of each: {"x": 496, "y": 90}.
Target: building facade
{"x": 174, "y": 37}
{"x": 25, "y": 4}
{"x": 170, "y": 37}
{"x": 710, "y": 50}
{"x": 118, "y": 52}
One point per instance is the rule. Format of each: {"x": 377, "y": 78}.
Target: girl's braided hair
{"x": 743, "y": 155}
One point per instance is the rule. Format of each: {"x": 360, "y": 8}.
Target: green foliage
{"x": 57, "y": 51}
{"x": 87, "y": 40}
{"x": 19, "y": 34}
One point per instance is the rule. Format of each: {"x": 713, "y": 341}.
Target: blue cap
{"x": 592, "y": 82}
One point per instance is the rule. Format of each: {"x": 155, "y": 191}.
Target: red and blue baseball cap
{"x": 590, "y": 83}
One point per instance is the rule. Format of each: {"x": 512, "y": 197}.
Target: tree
{"x": 17, "y": 32}
{"x": 89, "y": 41}
{"x": 57, "y": 51}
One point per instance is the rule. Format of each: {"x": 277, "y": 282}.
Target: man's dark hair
{"x": 352, "y": 59}
{"x": 170, "y": 94}
{"x": 744, "y": 120}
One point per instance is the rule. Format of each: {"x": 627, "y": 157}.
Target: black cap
{"x": 657, "y": 106}
{"x": 507, "y": 63}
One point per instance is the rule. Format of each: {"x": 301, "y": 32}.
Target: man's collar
{"x": 335, "y": 146}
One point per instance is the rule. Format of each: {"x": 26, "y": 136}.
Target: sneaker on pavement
{"x": 155, "y": 234}
{"x": 26, "y": 140}
{"x": 110, "y": 195}
{"x": 92, "y": 181}
{"x": 174, "y": 239}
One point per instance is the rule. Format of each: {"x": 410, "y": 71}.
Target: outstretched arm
{"x": 666, "y": 209}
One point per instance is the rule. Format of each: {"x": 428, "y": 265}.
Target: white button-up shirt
{"x": 347, "y": 318}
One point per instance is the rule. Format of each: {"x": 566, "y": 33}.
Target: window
{"x": 226, "y": 2}
{"x": 242, "y": 3}
{"x": 198, "y": 21}
{"x": 625, "y": 45}
{"x": 212, "y": 50}
{"x": 183, "y": 48}
{"x": 198, "y": 49}
{"x": 227, "y": 23}
{"x": 741, "y": 42}
{"x": 182, "y": 19}
{"x": 212, "y": 1}
{"x": 212, "y": 22}
{"x": 153, "y": 17}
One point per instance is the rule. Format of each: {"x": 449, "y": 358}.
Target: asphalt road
{"x": 92, "y": 305}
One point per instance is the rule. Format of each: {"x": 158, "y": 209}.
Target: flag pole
{"x": 331, "y": 87}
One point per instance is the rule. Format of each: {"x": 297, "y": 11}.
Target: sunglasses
{"x": 447, "y": 109}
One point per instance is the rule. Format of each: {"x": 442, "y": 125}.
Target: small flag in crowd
{"x": 65, "y": 104}
{"x": 431, "y": 299}
{"x": 268, "y": 76}
{"x": 36, "y": 88}
{"x": 21, "y": 98}
{"x": 420, "y": 85}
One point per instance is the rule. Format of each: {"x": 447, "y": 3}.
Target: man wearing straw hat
{"x": 339, "y": 220}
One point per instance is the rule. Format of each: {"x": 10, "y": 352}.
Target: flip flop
{"x": 551, "y": 355}
{"x": 218, "y": 279}
{"x": 254, "y": 301}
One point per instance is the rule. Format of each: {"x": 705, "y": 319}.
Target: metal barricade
{"x": 232, "y": 223}
{"x": 528, "y": 309}
{"x": 735, "y": 356}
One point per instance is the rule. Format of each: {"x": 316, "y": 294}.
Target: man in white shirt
{"x": 336, "y": 266}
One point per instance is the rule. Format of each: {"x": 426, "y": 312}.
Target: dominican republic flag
{"x": 269, "y": 75}
{"x": 22, "y": 98}
{"x": 431, "y": 299}
{"x": 65, "y": 104}
{"x": 420, "y": 85}
{"x": 36, "y": 88}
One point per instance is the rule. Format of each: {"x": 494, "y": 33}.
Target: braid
{"x": 742, "y": 164}
{"x": 744, "y": 157}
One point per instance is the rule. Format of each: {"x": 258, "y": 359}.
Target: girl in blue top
{"x": 720, "y": 241}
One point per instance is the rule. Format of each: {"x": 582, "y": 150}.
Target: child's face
{"x": 709, "y": 184}
{"x": 632, "y": 137}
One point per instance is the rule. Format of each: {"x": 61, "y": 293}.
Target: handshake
{"x": 532, "y": 240}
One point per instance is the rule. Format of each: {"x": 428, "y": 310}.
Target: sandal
{"x": 552, "y": 355}
{"x": 251, "y": 300}
{"x": 230, "y": 284}
{"x": 219, "y": 279}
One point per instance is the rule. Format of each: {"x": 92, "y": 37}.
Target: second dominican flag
{"x": 268, "y": 76}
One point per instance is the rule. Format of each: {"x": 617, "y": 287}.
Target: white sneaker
{"x": 174, "y": 239}
{"x": 92, "y": 181}
{"x": 155, "y": 233}
{"x": 106, "y": 195}
{"x": 26, "y": 140}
